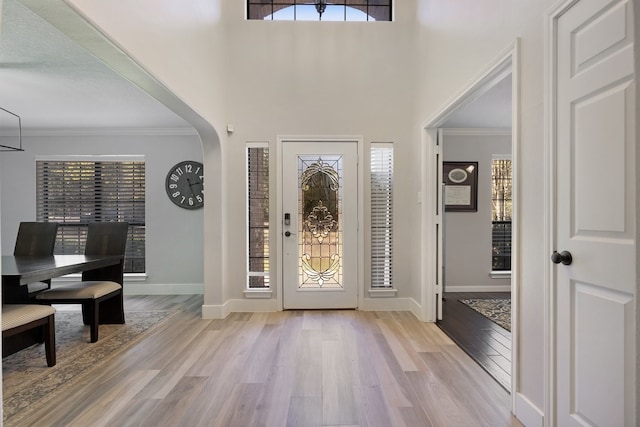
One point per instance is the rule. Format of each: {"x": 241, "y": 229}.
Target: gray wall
{"x": 174, "y": 245}
{"x": 468, "y": 234}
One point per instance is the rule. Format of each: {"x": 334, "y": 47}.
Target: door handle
{"x": 563, "y": 257}
{"x": 288, "y": 233}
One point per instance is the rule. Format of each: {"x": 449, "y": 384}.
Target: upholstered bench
{"x": 19, "y": 318}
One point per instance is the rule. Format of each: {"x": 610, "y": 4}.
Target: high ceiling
{"x": 52, "y": 83}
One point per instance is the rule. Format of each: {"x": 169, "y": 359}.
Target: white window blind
{"x": 381, "y": 215}
{"x": 75, "y": 193}
{"x": 258, "y": 216}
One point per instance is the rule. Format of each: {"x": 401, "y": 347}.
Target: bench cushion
{"x": 14, "y": 315}
{"x": 80, "y": 290}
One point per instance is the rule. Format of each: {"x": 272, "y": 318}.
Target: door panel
{"x": 595, "y": 215}
{"x": 320, "y": 224}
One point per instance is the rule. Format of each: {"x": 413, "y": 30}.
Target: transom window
{"x": 319, "y": 10}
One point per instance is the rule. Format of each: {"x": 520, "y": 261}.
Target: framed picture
{"x": 460, "y": 186}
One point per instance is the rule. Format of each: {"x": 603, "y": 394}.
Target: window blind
{"x": 501, "y": 210}
{"x": 258, "y": 216}
{"x": 75, "y": 193}
{"x": 381, "y": 215}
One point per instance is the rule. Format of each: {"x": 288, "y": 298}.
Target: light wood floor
{"x": 292, "y": 368}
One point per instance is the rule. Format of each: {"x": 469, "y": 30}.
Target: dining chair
{"x": 20, "y": 318}
{"x": 96, "y": 293}
{"x": 36, "y": 239}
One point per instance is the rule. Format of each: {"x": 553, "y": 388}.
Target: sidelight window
{"x": 258, "y": 215}
{"x": 381, "y": 215}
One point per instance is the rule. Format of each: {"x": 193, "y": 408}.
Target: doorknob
{"x": 563, "y": 257}
{"x": 288, "y": 233}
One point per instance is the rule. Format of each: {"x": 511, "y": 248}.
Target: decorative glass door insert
{"x": 320, "y": 221}
{"x": 319, "y": 224}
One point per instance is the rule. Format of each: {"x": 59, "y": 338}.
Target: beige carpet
{"x": 27, "y": 381}
{"x": 496, "y": 310}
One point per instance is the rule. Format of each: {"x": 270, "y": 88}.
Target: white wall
{"x": 468, "y": 234}
{"x": 326, "y": 79}
{"x": 174, "y": 237}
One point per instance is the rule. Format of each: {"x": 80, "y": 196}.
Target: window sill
{"x": 128, "y": 277}
{"x": 500, "y": 274}
{"x": 258, "y": 293}
{"x": 382, "y": 292}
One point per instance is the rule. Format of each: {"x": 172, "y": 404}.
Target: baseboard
{"x": 386, "y": 304}
{"x": 487, "y": 288}
{"x": 527, "y": 412}
{"x": 271, "y": 305}
{"x": 239, "y": 306}
{"x": 163, "y": 288}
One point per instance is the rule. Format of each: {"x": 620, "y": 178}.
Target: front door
{"x": 320, "y": 224}
{"x": 594, "y": 281}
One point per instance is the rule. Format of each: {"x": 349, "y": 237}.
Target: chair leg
{"x": 95, "y": 320}
{"x": 49, "y": 332}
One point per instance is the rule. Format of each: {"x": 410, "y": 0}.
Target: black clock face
{"x": 185, "y": 184}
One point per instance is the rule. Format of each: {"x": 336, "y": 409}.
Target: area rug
{"x": 496, "y": 310}
{"x": 28, "y": 382}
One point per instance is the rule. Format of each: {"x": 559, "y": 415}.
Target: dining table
{"x": 18, "y": 271}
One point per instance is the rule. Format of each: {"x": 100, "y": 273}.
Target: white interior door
{"x": 595, "y": 215}
{"x": 320, "y": 224}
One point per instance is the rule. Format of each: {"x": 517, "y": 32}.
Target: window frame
{"x": 278, "y": 5}
{"x": 249, "y": 290}
{"x": 502, "y": 222}
{"x": 381, "y": 258}
{"x": 43, "y": 214}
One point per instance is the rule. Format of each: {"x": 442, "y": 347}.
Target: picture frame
{"x": 460, "y": 192}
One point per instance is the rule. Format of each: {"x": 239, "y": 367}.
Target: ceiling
{"x": 53, "y": 83}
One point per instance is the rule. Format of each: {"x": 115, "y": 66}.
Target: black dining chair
{"x": 36, "y": 239}
{"x": 99, "y": 292}
{"x": 23, "y": 318}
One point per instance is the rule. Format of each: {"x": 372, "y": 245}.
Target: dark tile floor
{"x": 486, "y": 342}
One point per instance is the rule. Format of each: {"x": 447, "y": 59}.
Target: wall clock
{"x": 185, "y": 184}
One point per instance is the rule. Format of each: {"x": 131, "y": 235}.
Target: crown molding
{"x": 104, "y": 131}
{"x": 477, "y": 131}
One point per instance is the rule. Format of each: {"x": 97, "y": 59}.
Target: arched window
{"x": 319, "y": 10}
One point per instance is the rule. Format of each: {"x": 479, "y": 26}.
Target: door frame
{"x": 506, "y": 62}
{"x": 278, "y": 261}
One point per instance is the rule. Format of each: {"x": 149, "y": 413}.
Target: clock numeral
{"x": 199, "y": 198}
{"x": 173, "y": 186}
{"x": 179, "y": 171}
{"x": 183, "y": 199}
{"x": 197, "y": 170}
{"x": 188, "y": 168}
{"x": 176, "y": 194}
{"x": 190, "y": 201}
{"x": 174, "y": 177}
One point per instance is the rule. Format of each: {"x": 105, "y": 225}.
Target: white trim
{"x": 549, "y": 168}
{"x": 249, "y": 273}
{"x": 529, "y": 414}
{"x": 163, "y": 288}
{"x": 506, "y": 62}
{"x": 479, "y": 288}
{"x": 476, "y": 131}
{"x": 391, "y": 304}
{"x": 500, "y": 274}
{"x": 91, "y": 157}
{"x": 382, "y": 292}
{"x": 258, "y": 293}
{"x": 105, "y": 131}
